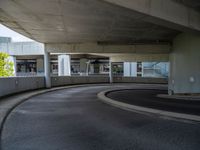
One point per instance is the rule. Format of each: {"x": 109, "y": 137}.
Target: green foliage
{"x": 6, "y": 67}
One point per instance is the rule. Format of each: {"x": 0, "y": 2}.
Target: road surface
{"x": 74, "y": 119}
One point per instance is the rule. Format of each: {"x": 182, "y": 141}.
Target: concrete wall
{"x": 130, "y": 69}
{"x": 140, "y": 58}
{"x": 185, "y": 64}
{"x": 105, "y": 49}
{"x": 18, "y": 84}
{"x": 63, "y": 80}
{"x": 140, "y": 80}
{"x": 22, "y": 48}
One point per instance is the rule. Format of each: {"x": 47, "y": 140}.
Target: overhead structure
{"x": 124, "y": 30}
{"x": 66, "y": 21}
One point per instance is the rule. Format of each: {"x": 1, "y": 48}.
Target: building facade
{"x": 28, "y": 58}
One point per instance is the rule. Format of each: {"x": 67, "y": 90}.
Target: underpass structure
{"x": 125, "y": 31}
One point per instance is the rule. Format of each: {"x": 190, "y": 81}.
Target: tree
{"x": 6, "y": 67}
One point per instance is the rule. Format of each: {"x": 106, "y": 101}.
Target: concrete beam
{"x": 97, "y": 48}
{"x": 47, "y": 69}
{"x": 140, "y": 58}
{"x": 164, "y": 12}
{"x": 22, "y": 48}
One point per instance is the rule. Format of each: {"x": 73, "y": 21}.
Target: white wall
{"x": 130, "y": 69}
{"x": 22, "y": 48}
{"x": 20, "y": 84}
{"x": 64, "y": 65}
{"x": 185, "y": 64}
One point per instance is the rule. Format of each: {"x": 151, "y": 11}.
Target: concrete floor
{"x": 74, "y": 119}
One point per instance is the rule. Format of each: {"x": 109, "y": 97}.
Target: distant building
{"x": 5, "y": 40}
{"x": 28, "y": 58}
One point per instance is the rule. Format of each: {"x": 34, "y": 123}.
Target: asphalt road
{"x": 74, "y": 119}
{"x": 148, "y": 98}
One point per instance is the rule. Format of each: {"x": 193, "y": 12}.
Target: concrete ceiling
{"x": 76, "y": 21}
{"x": 191, "y": 3}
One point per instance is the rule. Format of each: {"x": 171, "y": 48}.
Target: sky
{"x": 16, "y": 37}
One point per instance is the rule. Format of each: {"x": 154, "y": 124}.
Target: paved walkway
{"x": 75, "y": 119}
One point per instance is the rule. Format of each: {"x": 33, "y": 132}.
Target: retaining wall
{"x": 14, "y": 85}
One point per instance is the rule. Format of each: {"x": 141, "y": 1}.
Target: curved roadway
{"x": 74, "y": 119}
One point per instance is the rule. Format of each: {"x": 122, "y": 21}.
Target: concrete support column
{"x": 13, "y": 60}
{"x": 130, "y": 69}
{"x": 87, "y": 67}
{"x": 47, "y": 69}
{"x": 64, "y": 65}
{"x": 110, "y": 72}
{"x": 184, "y": 65}
{"x": 83, "y": 66}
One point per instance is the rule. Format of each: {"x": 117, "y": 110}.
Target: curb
{"x": 141, "y": 109}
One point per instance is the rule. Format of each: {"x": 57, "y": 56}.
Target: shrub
{"x": 6, "y": 67}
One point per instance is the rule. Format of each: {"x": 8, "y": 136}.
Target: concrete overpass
{"x": 124, "y": 30}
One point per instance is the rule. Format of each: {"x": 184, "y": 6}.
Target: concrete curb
{"x": 134, "y": 108}
{"x": 8, "y": 104}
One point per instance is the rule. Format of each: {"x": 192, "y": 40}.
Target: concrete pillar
{"x": 64, "y": 65}
{"x": 83, "y": 66}
{"x": 184, "y": 65}
{"x": 13, "y": 60}
{"x": 130, "y": 69}
{"x": 87, "y": 67}
{"x": 47, "y": 69}
{"x": 110, "y": 72}
{"x": 133, "y": 66}
{"x": 40, "y": 66}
